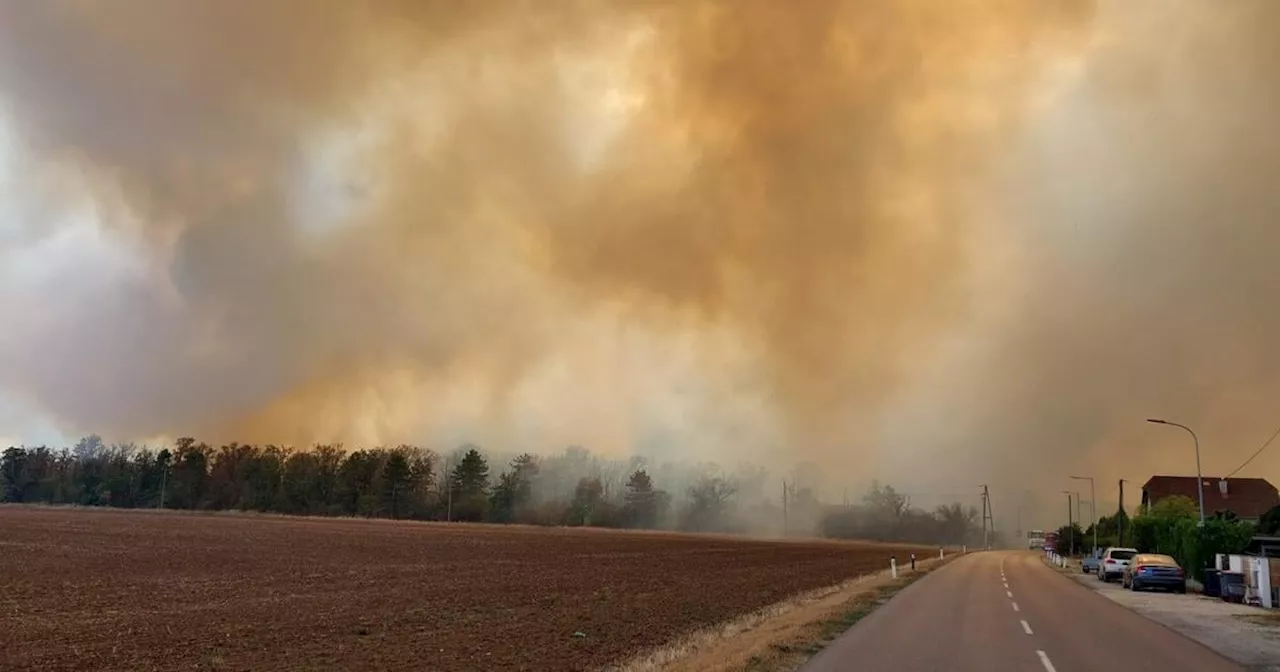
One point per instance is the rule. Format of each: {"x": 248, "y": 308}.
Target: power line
{"x": 1255, "y": 454}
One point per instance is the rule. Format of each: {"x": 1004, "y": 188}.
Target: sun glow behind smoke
{"x": 606, "y": 226}
{"x": 875, "y": 236}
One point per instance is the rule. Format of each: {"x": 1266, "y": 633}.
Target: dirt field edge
{"x": 782, "y": 636}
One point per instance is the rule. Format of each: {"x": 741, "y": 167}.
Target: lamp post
{"x": 1071, "y": 530}
{"x": 1199, "y": 476}
{"x": 1093, "y": 507}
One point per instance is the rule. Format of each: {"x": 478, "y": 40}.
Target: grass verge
{"x": 814, "y": 637}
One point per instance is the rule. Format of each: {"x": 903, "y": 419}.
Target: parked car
{"x": 1148, "y": 570}
{"x": 1114, "y": 560}
{"x": 1090, "y": 563}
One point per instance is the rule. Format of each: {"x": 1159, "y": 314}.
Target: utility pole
{"x": 991, "y": 515}
{"x": 1071, "y": 529}
{"x": 164, "y": 482}
{"x": 784, "y": 507}
{"x": 987, "y": 516}
{"x": 448, "y": 483}
{"x": 1093, "y": 507}
{"x": 1079, "y": 501}
{"x": 1121, "y": 515}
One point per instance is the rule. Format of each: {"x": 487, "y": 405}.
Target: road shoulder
{"x": 783, "y": 636}
{"x": 1238, "y": 632}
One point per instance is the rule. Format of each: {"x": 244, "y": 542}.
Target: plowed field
{"x": 94, "y": 589}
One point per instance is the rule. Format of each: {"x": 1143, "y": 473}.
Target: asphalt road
{"x": 1009, "y": 611}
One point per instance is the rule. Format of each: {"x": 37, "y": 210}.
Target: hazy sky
{"x": 936, "y": 243}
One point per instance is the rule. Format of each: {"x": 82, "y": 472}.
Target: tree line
{"x": 574, "y": 488}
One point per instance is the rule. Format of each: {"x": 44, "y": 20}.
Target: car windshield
{"x": 1122, "y": 555}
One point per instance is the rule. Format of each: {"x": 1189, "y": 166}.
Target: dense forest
{"x": 572, "y": 488}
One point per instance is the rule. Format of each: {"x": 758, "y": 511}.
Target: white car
{"x": 1114, "y": 560}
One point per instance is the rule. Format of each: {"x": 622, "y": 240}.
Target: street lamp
{"x": 1093, "y": 507}
{"x": 1199, "y": 476}
{"x": 1071, "y": 530}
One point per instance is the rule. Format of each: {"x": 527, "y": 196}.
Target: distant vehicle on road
{"x": 1090, "y": 563}
{"x": 1035, "y": 540}
{"x": 1114, "y": 560}
{"x": 1051, "y": 541}
{"x": 1148, "y": 570}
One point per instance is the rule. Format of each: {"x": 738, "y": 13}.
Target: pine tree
{"x": 470, "y": 484}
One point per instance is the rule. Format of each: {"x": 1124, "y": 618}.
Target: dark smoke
{"x": 948, "y": 243}
{"x": 1142, "y": 230}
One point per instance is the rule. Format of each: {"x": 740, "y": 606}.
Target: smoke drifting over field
{"x": 944, "y": 242}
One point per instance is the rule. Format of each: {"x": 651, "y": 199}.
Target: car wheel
{"x": 1182, "y": 590}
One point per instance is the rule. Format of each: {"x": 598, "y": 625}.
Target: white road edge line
{"x": 1026, "y": 627}
{"x": 1015, "y": 607}
{"x": 1009, "y": 593}
{"x": 1044, "y": 660}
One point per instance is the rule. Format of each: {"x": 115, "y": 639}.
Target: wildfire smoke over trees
{"x": 574, "y": 488}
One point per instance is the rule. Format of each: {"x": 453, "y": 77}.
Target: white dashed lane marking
{"x": 1044, "y": 660}
{"x": 1026, "y": 627}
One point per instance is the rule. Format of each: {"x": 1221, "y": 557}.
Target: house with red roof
{"x": 1248, "y": 498}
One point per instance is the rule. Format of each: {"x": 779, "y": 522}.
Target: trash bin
{"x": 1232, "y": 586}
{"x": 1213, "y": 583}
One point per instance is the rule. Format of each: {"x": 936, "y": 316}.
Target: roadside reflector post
{"x": 893, "y": 565}
{"x": 940, "y": 552}
{"x": 913, "y": 562}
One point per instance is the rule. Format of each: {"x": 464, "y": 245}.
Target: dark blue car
{"x": 1149, "y": 570}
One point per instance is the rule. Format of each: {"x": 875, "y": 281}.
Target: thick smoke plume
{"x": 951, "y": 242}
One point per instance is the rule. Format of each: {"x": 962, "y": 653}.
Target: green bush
{"x": 1171, "y": 528}
{"x": 1199, "y": 544}
{"x": 1191, "y": 545}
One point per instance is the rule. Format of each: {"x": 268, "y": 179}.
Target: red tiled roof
{"x": 1246, "y": 497}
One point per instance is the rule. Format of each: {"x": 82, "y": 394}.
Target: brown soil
{"x": 778, "y": 637}
{"x": 96, "y": 589}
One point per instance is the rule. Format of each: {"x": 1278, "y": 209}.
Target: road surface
{"x": 1009, "y": 611}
